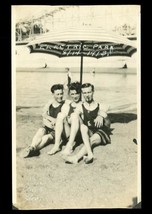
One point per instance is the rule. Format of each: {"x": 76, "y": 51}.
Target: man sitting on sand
{"x": 46, "y": 133}
{"x": 93, "y": 133}
{"x": 66, "y": 121}
{"x": 70, "y": 122}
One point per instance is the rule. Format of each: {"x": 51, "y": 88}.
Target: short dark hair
{"x": 86, "y": 85}
{"x": 75, "y": 86}
{"x": 56, "y": 87}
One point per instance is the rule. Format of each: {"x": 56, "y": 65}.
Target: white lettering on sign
{"x": 44, "y": 47}
{"x": 98, "y": 53}
{"x": 94, "y": 50}
{"x": 71, "y": 53}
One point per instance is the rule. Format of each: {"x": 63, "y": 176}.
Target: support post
{"x": 81, "y": 66}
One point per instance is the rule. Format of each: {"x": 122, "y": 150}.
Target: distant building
{"x": 69, "y": 16}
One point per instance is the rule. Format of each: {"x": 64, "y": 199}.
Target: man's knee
{"x": 95, "y": 139}
{"x": 107, "y": 122}
{"x": 41, "y": 131}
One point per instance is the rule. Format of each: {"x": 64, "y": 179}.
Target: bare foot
{"x": 88, "y": 159}
{"x": 70, "y": 159}
{"x": 54, "y": 150}
{"x": 67, "y": 151}
{"x": 68, "y": 148}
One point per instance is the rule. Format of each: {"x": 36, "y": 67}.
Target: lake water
{"x": 118, "y": 90}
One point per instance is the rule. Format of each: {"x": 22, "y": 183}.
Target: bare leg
{"x": 95, "y": 140}
{"x": 58, "y": 132}
{"x": 67, "y": 128}
{"x": 86, "y": 140}
{"x": 38, "y": 137}
{"x": 30, "y": 151}
{"x": 73, "y": 132}
{"x": 60, "y": 122}
{"x": 44, "y": 141}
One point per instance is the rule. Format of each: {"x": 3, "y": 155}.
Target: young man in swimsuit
{"x": 67, "y": 121}
{"x": 46, "y": 133}
{"x": 93, "y": 133}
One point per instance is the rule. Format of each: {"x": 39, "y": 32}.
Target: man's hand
{"x": 49, "y": 118}
{"x": 48, "y": 123}
{"x": 98, "y": 122}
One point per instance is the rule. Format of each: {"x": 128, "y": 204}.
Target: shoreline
{"x": 103, "y": 70}
{"x": 25, "y": 110}
{"x": 115, "y": 117}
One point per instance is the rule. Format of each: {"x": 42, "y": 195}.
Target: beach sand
{"x": 47, "y": 182}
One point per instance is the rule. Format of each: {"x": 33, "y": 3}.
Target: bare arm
{"x": 48, "y": 123}
{"x": 102, "y": 113}
{"x": 48, "y": 120}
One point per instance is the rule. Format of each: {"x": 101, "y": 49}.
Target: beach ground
{"x": 47, "y": 182}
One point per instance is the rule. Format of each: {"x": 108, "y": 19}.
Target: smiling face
{"x": 75, "y": 96}
{"x": 58, "y": 95}
{"x": 88, "y": 94}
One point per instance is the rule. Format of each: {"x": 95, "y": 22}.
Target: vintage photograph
{"x": 76, "y": 114}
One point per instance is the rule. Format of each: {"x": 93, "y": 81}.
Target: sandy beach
{"x": 47, "y": 182}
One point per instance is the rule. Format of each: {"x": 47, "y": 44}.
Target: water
{"x": 119, "y": 91}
